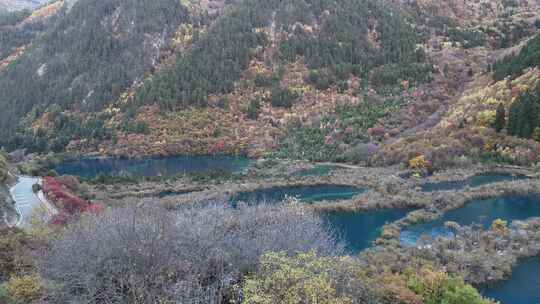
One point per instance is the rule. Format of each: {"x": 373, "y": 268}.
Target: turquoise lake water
{"x": 357, "y": 229}
{"x": 306, "y": 194}
{"x": 360, "y": 229}
{"x": 482, "y": 212}
{"x": 523, "y": 287}
{"x": 148, "y": 167}
{"x": 474, "y": 181}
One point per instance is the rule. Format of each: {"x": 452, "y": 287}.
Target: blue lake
{"x": 357, "y": 229}
{"x": 360, "y": 229}
{"x": 523, "y": 287}
{"x": 306, "y": 194}
{"x": 148, "y": 167}
{"x": 482, "y": 212}
{"x": 474, "y": 181}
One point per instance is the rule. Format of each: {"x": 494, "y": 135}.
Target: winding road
{"x": 26, "y": 201}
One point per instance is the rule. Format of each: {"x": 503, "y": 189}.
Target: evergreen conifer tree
{"x": 500, "y": 118}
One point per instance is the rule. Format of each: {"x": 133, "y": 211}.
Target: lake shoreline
{"x": 387, "y": 188}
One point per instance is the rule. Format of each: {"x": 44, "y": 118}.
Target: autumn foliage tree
{"x": 24, "y": 289}
{"x": 61, "y": 191}
{"x": 307, "y": 278}
{"x": 15, "y": 245}
{"x": 436, "y": 287}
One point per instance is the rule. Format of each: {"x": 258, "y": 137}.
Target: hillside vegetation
{"x": 336, "y": 39}
{"x": 514, "y": 65}
{"x": 395, "y": 89}
{"x": 331, "y": 36}
{"x": 85, "y": 58}
{"x": 524, "y": 113}
{"x": 263, "y": 254}
{"x": 323, "y": 80}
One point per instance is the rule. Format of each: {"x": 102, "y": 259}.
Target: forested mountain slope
{"x": 86, "y": 56}
{"x": 492, "y": 121}
{"x": 93, "y": 51}
{"x": 331, "y": 36}
{"x": 342, "y": 80}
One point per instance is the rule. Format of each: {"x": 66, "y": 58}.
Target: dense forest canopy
{"x": 331, "y": 35}
{"x": 86, "y": 57}
{"x": 514, "y": 65}
{"x": 12, "y": 36}
{"x": 216, "y": 60}
{"x": 63, "y": 78}
{"x": 524, "y": 116}
{"x": 89, "y": 54}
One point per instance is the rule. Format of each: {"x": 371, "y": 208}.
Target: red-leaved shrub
{"x": 59, "y": 191}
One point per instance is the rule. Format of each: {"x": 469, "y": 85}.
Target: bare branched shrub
{"x": 193, "y": 255}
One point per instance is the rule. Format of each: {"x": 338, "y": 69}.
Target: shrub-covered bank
{"x": 264, "y": 254}
{"x": 479, "y": 256}
{"x": 386, "y": 274}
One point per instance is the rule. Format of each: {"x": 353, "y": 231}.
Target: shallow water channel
{"x": 482, "y": 212}
{"x": 523, "y": 287}
{"x": 474, "y": 181}
{"x": 305, "y": 194}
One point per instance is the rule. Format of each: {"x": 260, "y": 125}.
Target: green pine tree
{"x": 500, "y": 118}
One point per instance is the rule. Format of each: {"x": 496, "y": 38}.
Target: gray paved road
{"x": 26, "y": 201}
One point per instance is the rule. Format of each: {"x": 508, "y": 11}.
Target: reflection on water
{"x": 167, "y": 166}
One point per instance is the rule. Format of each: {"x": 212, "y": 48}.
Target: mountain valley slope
{"x": 341, "y": 81}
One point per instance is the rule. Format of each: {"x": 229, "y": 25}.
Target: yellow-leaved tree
{"x": 304, "y": 278}
{"x": 24, "y": 289}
